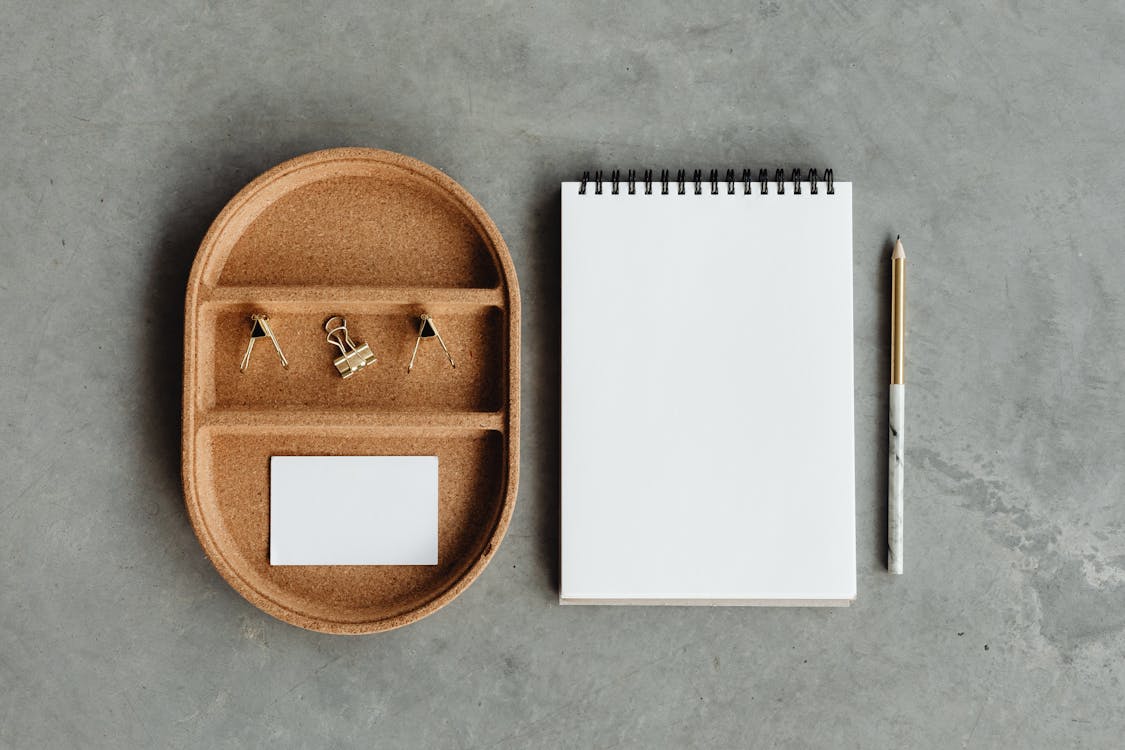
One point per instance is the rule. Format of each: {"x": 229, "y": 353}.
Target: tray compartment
{"x": 386, "y": 230}
{"x": 470, "y": 476}
{"x": 474, "y": 337}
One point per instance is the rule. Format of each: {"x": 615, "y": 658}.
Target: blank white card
{"x": 353, "y": 510}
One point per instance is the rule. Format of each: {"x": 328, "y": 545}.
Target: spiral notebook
{"x": 707, "y": 408}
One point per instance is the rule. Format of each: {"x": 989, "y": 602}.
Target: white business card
{"x": 353, "y": 510}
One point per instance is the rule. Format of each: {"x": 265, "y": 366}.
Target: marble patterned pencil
{"x": 897, "y": 417}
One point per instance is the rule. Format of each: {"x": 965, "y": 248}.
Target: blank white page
{"x": 707, "y": 407}
{"x": 353, "y": 510}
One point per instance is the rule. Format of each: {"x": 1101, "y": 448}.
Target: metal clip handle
{"x": 260, "y": 328}
{"x": 426, "y": 330}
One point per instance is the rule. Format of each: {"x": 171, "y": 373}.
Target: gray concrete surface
{"x": 990, "y": 135}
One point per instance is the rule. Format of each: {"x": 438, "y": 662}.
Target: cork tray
{"x": 378, "y": 238}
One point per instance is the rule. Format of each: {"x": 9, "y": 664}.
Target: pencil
{"x": 897, "y": 416}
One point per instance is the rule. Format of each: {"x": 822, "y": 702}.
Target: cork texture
{"x": 378, "y": 238}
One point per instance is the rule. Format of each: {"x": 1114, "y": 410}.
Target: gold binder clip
{"x": 427, "y": 330}
{"x": 352, "y": 358}
{"x": 260, "y": 328}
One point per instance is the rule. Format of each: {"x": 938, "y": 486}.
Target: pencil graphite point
{"x": 898, "y": 251}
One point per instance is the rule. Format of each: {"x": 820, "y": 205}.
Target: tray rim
{"x": 190, "y": 432}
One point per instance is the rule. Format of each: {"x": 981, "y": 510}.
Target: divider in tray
{"x": 474, "y": 336}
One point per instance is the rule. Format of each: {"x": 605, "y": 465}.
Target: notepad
{"x": 707, "y": 392}
{"x": 353, "y": 510}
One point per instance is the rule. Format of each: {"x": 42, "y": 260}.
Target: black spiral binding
{"x": 681, "y": 180}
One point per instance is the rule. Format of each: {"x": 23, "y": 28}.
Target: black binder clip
{"x": 427, "y": 330}
{"x": 353, "y": 357}
{"x": 260, "y": 329}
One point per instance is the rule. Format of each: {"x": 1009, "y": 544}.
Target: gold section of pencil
{"x": 898, "y": 316}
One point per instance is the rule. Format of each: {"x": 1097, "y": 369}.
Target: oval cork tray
{"x": 379, "y": 238}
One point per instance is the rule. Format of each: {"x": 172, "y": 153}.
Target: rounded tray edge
{"x": 510, "y": 287}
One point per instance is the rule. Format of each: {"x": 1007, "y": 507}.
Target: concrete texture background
{"x": 990, "y": 135}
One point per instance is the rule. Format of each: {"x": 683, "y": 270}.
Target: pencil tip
{"x": 898, "y": 252}
{"x": 899, "y": 237}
